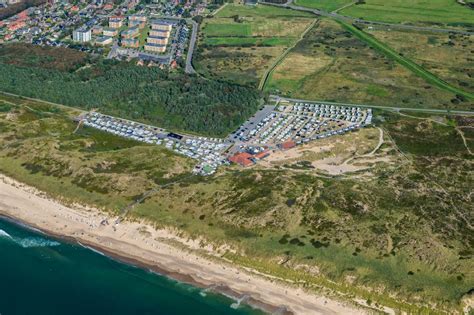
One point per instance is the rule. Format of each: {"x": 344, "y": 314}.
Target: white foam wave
{"x": 29, "y": 242}
{"x": 4, "y": 234}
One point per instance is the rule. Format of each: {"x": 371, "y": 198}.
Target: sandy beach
{"x": 143, "y": 245}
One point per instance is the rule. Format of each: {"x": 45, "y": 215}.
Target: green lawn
{"x": 216, "y": 30}
{"x": 399, "y": 11}
{"x": 327, "y": 5}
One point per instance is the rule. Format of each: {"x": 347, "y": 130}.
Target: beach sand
{"x": 143, "y": 245}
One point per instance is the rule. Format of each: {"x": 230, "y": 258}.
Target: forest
{"x": 13, "y": 9}
{"x": 148, "y": 94}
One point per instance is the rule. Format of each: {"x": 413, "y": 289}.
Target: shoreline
{"x": 141, "y": 245}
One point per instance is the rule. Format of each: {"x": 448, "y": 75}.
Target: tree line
{"x": 148, "y": 94}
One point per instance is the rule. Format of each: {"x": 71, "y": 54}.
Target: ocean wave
{"x": 4, "y": 234}
{"x": 29, "y": 242}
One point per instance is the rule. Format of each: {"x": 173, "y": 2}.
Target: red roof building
{"x": 287, "y": 145}
{"x": 244, "y": 159}
{"x": 16, "y": 25}
{"x": 262, "y": 155}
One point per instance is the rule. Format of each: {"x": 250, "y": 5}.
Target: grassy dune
{"x": 396, "y": 235}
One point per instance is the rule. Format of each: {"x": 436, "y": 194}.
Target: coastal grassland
{"x": 388, "y": 232}
{"x": 433, "y": 12}
{"x": 449, "y": 56}
{"x": 240, "y": 42}
{"x": 148, "y": 94}
{"x": 38, "y": 147}
{"x": 405, "y": 62}
{"x": 332, "y": 64}
{"x": 400, "y": 237}
{"x": 327, "y": 5}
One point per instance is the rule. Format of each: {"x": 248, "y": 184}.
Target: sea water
{"x": 42, "y": 275}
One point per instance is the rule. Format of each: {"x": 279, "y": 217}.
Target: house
{"x": 244, "y": 159}
{"x": 262, "y": 155}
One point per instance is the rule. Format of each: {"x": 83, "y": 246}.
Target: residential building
{"x": 81, "y": 35}
{"x": 110, "y": 32}
{"x": 244, "y": 159}
{"x": 157, "y": 40}
{"x": 155, "y": 47}
{"x": 104, "y": 40}
{"x": 161, "y": 25}
{"x": 115, "y": 22}
{"x": 97, "y": 29}
{"x": 130, "y": 42}
{"x": 159, "y": 33}
{"x": 131, "y": 32}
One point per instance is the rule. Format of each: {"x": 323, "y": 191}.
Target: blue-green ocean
{"x": 42, "y": 275}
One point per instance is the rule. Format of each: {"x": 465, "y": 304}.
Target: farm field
{"x": 332, "y": 64}
{"x": 326, "y": 5}
{"x": 449, "y": 56}
{"x": 413, "y": 11}
{"x": 240, "y": 42}
{"x": 346, "y": 233}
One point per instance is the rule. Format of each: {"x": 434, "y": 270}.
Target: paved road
{"x": 397, "y": 109}
{"x": 334, "y": 15}
{"x": 192, "y": 43}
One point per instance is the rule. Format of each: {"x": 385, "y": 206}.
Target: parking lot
{"x": 300, "y": 123}
{"x": 208, "y": 151}
{"x": 271, "y": 128}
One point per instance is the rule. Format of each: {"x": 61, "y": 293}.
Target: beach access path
{"x": 149, "y": 247}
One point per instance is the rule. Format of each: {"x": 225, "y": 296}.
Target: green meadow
{"x": 326, "y": 5}
{"x": 413, "y": 11}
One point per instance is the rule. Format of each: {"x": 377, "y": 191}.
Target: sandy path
{"x": 125, "y": 240}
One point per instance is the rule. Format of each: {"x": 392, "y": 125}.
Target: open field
{"x": 326, "y": 5}
{"x": 332, "y": 64}
{"x": 407, "y": 63}
{"x": 413, "y": 11}
{"x": 449, "y": 56}
{"x": 399, "y": 235}
{"x": 239, "y": 42}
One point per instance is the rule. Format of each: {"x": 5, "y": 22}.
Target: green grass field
{"x": 220, "y": 30}
{"x": 239, "y": 42}
{"x": 414, "y": 11}
{"x": 326, "y": 5}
